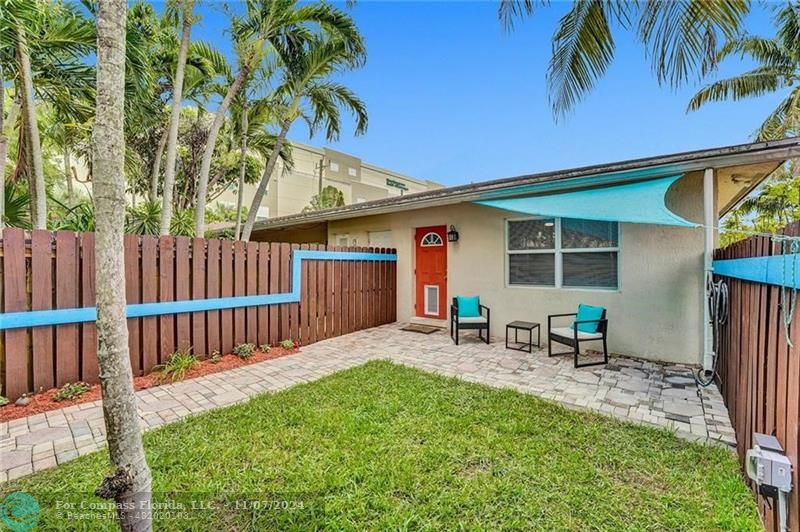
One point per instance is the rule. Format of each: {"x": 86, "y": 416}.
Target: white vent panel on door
{"x": 431, "y": 300}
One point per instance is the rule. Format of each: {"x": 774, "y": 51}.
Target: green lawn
{"x": 382, "y": 446}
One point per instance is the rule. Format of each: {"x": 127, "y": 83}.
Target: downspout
{"x": 709, "y": 223}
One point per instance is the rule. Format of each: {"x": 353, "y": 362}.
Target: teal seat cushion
{"x": 588, "y": 312}
{"x": 469, "y": 306}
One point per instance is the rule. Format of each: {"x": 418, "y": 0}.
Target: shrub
{"x": 244, "y": 350}
{"x": 145, "y": 219}
{"x": 264, "y": 348}
{"x": 178, "y": 364}
{"x": 4, "y": 400}
{"x": 71, "y": 390}
{"x": 182, "y": 222}
{"x": 287, "y": 344}
{"x": 215, "y": 357}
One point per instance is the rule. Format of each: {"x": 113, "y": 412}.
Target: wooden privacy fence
{"x": 42, "y": 271}
{"x": 759, "y": 373}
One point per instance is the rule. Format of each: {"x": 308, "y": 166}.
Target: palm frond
{"x": 263, "y": 142}
{"x": 327, "y": 99}
{"x": 788, "y": 23}
{"x": 17, "y": 211}
{"x": 583, "y": 48}
{"x": 681, "y": 37}
{"x": 336, "y": 24}
{"x": 510, "y": 10}
{"x": 208, "y": 59}
{"x": 767, "y": 52}
{"x": 783, "y": 121}
{"x": 757, "y": 82}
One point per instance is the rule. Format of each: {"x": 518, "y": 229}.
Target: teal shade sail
{"x": 642, "y": 202}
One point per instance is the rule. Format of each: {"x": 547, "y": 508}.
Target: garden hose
{"x": 718, "y": 315}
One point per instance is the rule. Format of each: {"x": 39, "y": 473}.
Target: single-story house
{"x": 635, "y": 237}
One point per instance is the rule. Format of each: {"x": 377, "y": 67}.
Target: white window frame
{"x": 559, "y": 252}
{"x": 440, "y": 243}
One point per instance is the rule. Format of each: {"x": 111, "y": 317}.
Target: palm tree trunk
{"x": 37, "y": 192}
{"x": 3, "y": 148}
{"x": 174, "y": 121}
{"x": 13, "y": 112}
{"x": 130, "y": 483}
{"x": 156, "y": 170}
{"x": 68, "y": 176}
{"x": 208, "y": 153}
{"x": 265, "y": 177}
{"x": 242, "y": 170}
{"x": 12, "y": 119}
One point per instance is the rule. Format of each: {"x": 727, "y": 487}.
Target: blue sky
{"x": 454, "y": 98}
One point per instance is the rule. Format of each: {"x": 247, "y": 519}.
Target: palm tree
{"x": 153, "y": 50}
{"x": 49, "y": 42}
{"x": 226, "y": 168}
{"x": 203, "y": 64}
{"x": 679, "y": 36}
{"x": 36, "y": 178}
{"x": 242, "y": 167}
{"x": 280, "y": 25}
{"x": 62, "y": 134}
{"x": 308, "y": 93}
{"x": 778, "y": 69}
{"x": 3, "y": 148}
{"x": 263, "y": 116}
{"x": 186, "y": 7}
{"x": 130, "y": 484}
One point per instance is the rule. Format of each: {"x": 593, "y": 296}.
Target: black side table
{"x": 524, "y": 326}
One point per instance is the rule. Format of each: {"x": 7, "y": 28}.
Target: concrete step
{"x": 429, "y": 321}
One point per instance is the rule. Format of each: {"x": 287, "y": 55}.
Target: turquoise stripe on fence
{"x": 40, "y": 318}
{"x": 779, "y": 270}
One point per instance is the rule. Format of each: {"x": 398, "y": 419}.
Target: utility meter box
{"x": 767, "y": 464}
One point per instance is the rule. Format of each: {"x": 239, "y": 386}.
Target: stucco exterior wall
{"x": 656, "y": 312}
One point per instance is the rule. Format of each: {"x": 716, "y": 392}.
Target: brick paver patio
{"x": 633, "y": 390}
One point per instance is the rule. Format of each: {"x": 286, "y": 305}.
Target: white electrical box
{"x": 768, "y": 465}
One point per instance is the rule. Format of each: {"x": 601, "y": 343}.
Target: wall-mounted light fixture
{"x": 452, "y": 234}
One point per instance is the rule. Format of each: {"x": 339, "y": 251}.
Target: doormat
{"x": 424, "y": 329}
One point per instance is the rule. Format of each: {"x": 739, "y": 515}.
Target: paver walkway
{"x": 634, "y": 390}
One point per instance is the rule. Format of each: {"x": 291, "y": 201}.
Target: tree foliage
{"x": 61, "y": 38}
{"x": 679, "y": 38}
{"x": 329, "y": 198}
{"x": 777, "y": 70}
{"x": 773, "y": 205}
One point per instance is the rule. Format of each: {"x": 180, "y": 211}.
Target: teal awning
{"x": 642, "y": 202}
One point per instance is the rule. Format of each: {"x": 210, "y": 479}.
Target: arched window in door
{"x": 431, "y": 240}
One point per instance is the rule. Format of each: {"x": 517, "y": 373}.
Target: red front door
{"x": 431, "y": 271}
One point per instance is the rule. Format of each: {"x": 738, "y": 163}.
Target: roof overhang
{"x": 764, "y": 155}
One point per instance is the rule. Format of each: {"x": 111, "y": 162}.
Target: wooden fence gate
{"x": 759, "y": 373}
{"x": 43, "y": 270}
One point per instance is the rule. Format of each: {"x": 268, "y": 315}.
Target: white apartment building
{"x": 291, "y": 191}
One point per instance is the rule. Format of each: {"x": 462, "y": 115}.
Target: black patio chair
{"x": 573, "y": 336}
{"x": 460, "y": 323}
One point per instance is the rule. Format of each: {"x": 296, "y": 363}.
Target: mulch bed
{"x": 43, "y": 402}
